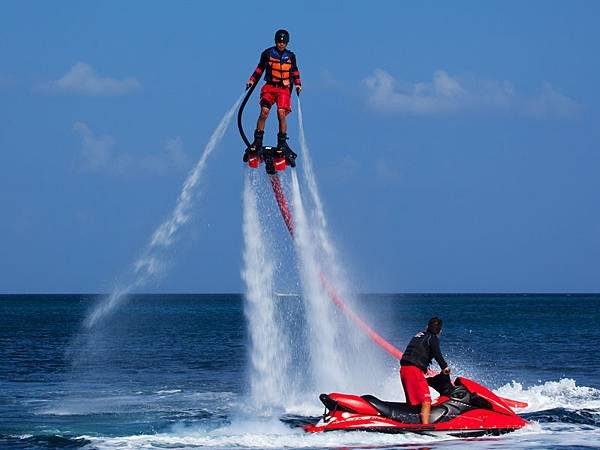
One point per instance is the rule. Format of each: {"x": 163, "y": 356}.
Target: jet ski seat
{"x": 459, "y": 401}
{"x": 401, "y": 412}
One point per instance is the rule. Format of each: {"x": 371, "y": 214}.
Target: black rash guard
{"x": 421, "y": 349}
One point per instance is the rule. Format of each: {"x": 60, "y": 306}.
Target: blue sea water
{"x": 171, "y": 371}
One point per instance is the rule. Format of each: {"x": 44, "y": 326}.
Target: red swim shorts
{"x": 270, "y": 94}
{"x": 415, "y": 386}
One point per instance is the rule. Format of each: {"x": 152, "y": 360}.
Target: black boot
{"x": 282, "y": 146}
{"x": 282, "y": 142}
{"x": 256, "y": 145}
{"x": 258, "y": 140}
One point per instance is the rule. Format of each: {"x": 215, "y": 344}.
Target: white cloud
{"x": 96, "y": 151}
{"x": 98, "y": 155}
{"x": 81, "y": 79}
{"x": 446, "y": 94}
{"x": 443, "y": 94}
{"x": 171, "y": 158}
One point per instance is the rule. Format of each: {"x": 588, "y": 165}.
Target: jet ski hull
{"x": 470, "y": 410}
{"x": 468, "y": 427}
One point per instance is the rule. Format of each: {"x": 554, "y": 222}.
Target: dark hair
{"x": 434, "y": 325}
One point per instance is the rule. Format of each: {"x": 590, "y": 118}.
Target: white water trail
{"x": 151, "y": 264}
{"x": 330, "y": 261}
{"x": 326, "y": 358}
{"x": 362, "y": 367}
{"x": 309, "y": 173}
{"x": 269, "y": 353}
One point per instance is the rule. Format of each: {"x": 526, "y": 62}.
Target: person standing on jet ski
{"x": 421, "y": 350}
{"x": 281, "y": 73}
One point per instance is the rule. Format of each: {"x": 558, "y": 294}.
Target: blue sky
{"x": 456, "y": 144}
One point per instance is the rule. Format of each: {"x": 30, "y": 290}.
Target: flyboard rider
{"x": 421, "y": 350}
{"x": 281, "y": 74}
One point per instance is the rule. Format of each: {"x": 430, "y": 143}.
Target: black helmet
{"x": 282, "y": 36}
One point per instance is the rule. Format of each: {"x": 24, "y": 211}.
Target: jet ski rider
{"x": 417, "y": 357}
{"x": 281, "y": 73}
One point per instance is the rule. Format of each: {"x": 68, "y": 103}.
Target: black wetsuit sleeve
{"x": 260, "y": 68}
{"x": 436, "y": 352}
{"x": 295, "y": 71}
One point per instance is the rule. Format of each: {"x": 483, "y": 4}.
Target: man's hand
{"x": 446, "y": 371}
{"x": 298, "y": 89}
{"x": 249, "y": 84}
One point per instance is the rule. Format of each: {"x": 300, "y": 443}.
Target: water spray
{"x": 151, "y": 265}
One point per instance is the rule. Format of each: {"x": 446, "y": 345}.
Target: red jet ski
{"x": 464, "y": 409}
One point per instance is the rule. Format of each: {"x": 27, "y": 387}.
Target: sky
{"x": 456, "y": 144}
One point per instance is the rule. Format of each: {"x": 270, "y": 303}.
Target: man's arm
{"x": 259, "y": 70}
{"x": 437, "y": 353}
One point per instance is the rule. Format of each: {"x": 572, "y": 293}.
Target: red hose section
{"x": 333, "y": 295}
{"x": 282, "y": 202}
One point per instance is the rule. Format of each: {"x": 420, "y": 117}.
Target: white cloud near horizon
{"x": 98, "y": 155}
{"x": 82, "y": 79}
{"x": 446, "y": 94}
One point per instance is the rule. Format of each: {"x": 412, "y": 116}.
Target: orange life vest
{"x": 280, "y": 68}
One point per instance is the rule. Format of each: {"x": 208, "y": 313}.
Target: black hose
{"x": 239, "y": 116}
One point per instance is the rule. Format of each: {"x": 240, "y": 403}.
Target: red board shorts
{"x": 415, "y": 386}
{"x": 281, "y": 95}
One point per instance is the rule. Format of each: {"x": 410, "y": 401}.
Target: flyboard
{"x": 464, "y": 407}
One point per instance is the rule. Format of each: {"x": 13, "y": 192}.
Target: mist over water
{"x": 269, "y": 352}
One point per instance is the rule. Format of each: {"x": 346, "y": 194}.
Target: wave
{"x": 173, "y": 401}
{"x": 560, "y": 413}
{"x": 563, "y": 393}
{"x": 255, "y": 434}
{"x": 42, "y": 441}
{"x": 274, "y": 434}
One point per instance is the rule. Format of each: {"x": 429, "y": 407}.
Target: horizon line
{"x": 487, "y": 293}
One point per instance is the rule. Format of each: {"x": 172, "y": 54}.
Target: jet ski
{"x": 464, "y": 409}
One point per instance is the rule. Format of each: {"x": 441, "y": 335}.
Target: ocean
{"x": 172, "y": 371}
